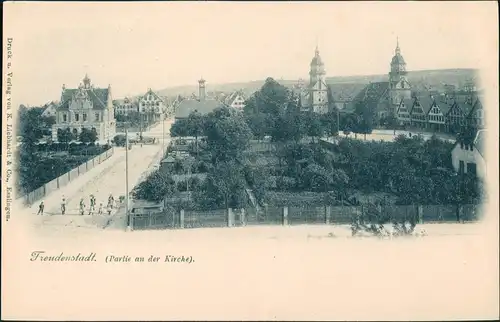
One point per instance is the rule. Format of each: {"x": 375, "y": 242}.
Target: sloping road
{"x": 103, "y": 180}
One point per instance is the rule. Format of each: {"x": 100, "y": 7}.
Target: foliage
{"x": 228, "y": 135}
{"x": 88, "y": 135}
{"x": 179, "y": 128}
{"x": 120, "y": 140}
{"x": 224, "y": 187}
{"x": 155, "y": 188}
{"x": 32, "y": 125}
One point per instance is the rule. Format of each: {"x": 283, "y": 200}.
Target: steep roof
{"x": 464, "y": 104}
{"x": 98, "y": 97}
{"x": 345, "y": 92}
{"x": 426, "y": 101}
{"x": 189, "y": 105}
{"x": 151, "y": 92}
{"x": 231, "y": 97}
{"x": 372, "y": 94}
{"x": 477, "y": 105}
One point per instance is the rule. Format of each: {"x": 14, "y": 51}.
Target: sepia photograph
{"x": 250, "y": 161}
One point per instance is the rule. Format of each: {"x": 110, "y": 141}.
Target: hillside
{"x": 428, "y": 78}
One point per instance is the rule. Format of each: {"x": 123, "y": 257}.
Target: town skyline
{"x": 63, "y": 54}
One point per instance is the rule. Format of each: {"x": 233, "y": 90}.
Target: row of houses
{"x": 442, "y": 112}
{"x": 204, "y": 103}
{"x": 149, "y": 103}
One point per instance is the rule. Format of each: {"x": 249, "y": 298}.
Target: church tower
{"x": 201, "y": 89}
{"x": 318, "y": 98}
{"x": 399, "y": 87}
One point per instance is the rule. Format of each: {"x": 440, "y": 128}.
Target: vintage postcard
{"x": 250, "y": 161}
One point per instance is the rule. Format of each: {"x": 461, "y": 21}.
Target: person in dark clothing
{"x": 63, "y": 206}
{"x": 40, "y": 208}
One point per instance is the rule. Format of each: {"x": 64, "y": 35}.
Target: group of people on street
{"x": 92, "y": 207}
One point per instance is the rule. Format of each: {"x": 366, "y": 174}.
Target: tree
{"x": 390, "y": 122}
{"x": 120, "y": 140}
{"x": 314, "y": 127}
{"x": 365, "y": 119}
{"x": 228, "y": 135}
{"x": 179, "y": 128}
{"x": 264, "y": 108}
{"x": 330, "y": 122}
{"x": 31, "y": 126}
{"x": 65, "y": 136}
{"x": 155, "y": 188}
{"x": 195, "y": 125}
{"x": 87, "y": 136}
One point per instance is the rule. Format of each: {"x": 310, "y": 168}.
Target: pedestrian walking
{"x": 109, "y": 209}
{"x": 63, "y": 206}
{"x": 92, "y": 204}
{"x": 100, "y": 209}
{"x": 82, "y": 207}
{"x": 111, "y": 201}
{"x": 40, "y": 208}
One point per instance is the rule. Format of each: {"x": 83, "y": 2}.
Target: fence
{"x": 64, "y": 179}
{"x": 339, "y": 215}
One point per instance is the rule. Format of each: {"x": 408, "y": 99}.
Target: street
{"x": 103, "y": 180}
{"x": 388, "y": 135}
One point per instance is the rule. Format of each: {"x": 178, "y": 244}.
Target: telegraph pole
{"x": 129, "y": 217}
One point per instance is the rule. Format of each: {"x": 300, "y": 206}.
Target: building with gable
{"x": 86, "y": 107}
{"x": 469, "y": 157}
{"x": 152, "y": 105}
{"x": 127, "y": 107}
{"x": 202, "y": 104}
{"x": 50, "y": 109}
{"x": 236, "y": 100}
{"x": 314, "y": 98}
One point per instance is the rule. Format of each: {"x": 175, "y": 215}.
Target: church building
{"x": 315, "y": 97}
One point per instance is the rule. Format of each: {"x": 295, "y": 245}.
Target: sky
{"x": 135, "y": 46}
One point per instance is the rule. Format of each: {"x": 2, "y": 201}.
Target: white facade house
{"x": 470, "y": 158}
{"x": 50, "y": 109}
{"x": 127, "y": 107}
{"x": 151, "y": 103}
{"x": 236, "y": 100}
{"x": 86, "y": 107}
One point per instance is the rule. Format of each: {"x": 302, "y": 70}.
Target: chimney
{"x": 201, "y": 87}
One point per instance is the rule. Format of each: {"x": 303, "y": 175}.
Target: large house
{"x": 202, "y": 104}
{"x": 127, "y": 107}
{"x": 86, "y": 107}
{"x": 469, "y": 157}
{"x": 152, "y": 104}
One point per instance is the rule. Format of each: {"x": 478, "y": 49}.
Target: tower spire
{"x": 398, "y": 50}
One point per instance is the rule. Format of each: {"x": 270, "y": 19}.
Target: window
{"x": 65, "y": 117}
{"x": 97, "y": 117}
{"x": 471, "y": 168}
{"x": 77, "y": 117}
{"x": 461, "y": 167}
{"x": 84, "y": 117}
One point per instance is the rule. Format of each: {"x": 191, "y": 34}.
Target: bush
{"x": 286, "y": 183}
{"x": 120, "y": 140}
